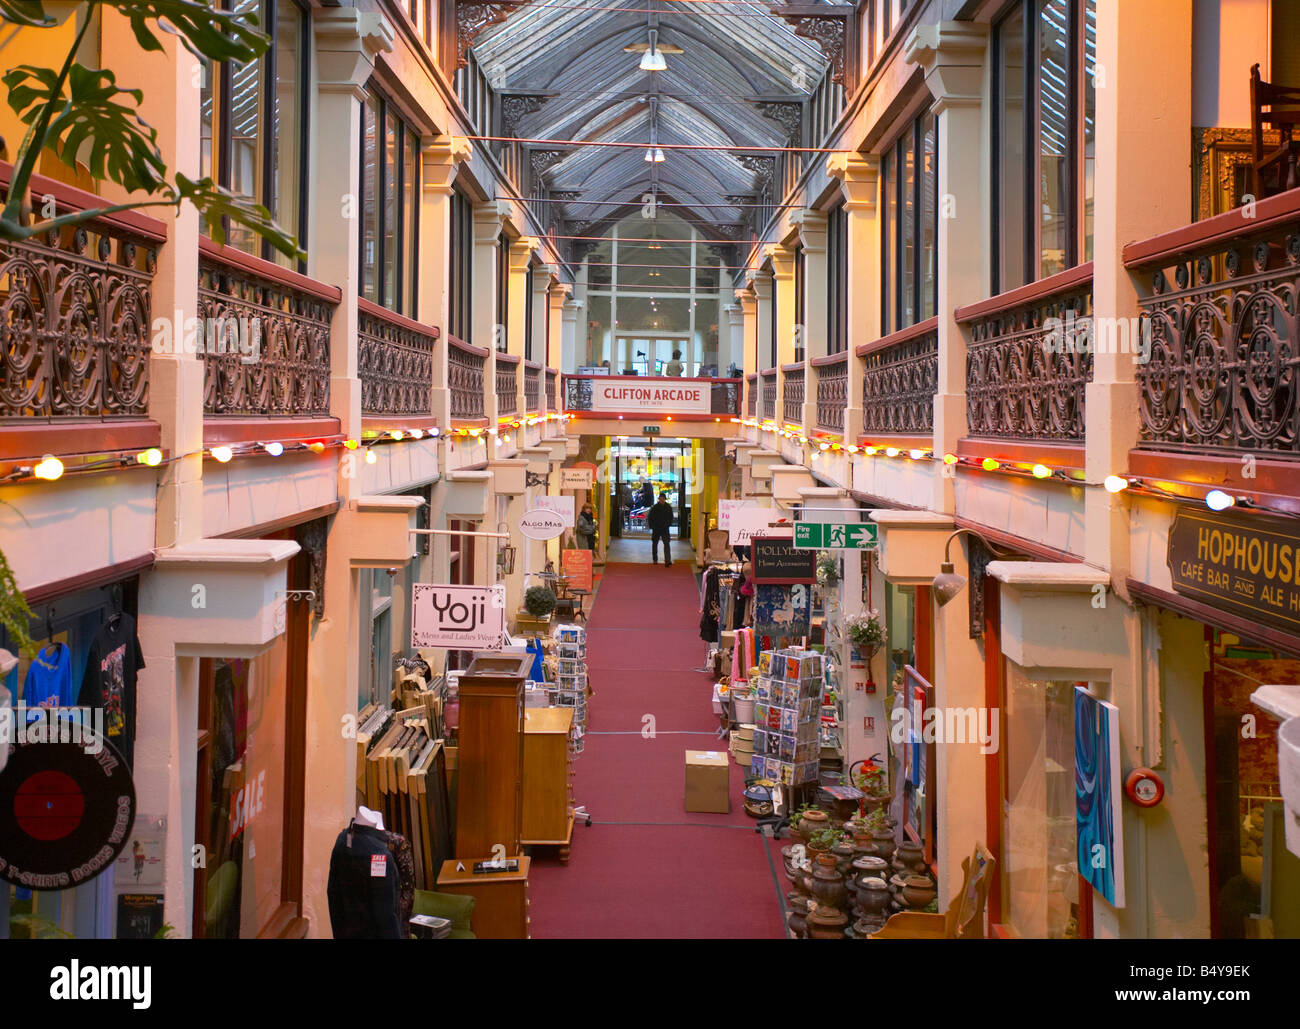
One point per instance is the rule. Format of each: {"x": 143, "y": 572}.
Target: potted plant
{"x": 828, "y": 568}
{"x": 796, "y": 818}
{"x": 821, "y": 842}
{"x": 539, "y": 601}
{"x": 866, "y": 632}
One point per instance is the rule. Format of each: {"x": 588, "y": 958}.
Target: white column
{"x": 812, "y": 238}
{"x": 858, "y": 179}
{"x": 442, "y": 158}
{"x": 568, "y": 337}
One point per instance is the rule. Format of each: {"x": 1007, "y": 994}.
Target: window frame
{"x": 837, "y": 279}
{"x": 461, "y": 266}
{"x": 404, "y": 279}
{"x": 908, "y": 211}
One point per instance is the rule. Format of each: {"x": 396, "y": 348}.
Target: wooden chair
{"x": 1274, "y": 107}
{"x": 964, "y": 919}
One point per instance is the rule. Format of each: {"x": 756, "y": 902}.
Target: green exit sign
{"x": 835, "y": 535}
{"x": 650, "y": 430}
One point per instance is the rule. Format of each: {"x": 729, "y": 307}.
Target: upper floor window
{"x": 390, "y": 197}
{"x": 837, "y": 280}
{"x": 800, "y": 305}
{"x": 1044, "y": 139}
{"x": 909, "y": 175}
{"x": 503, "y": 294}
{"x": 461, "y": 267}
{"x": 529, "y": 311}
{"x": 253, "y": 125}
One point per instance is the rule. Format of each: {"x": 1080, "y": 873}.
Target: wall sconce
{"x": 947, "y": 584}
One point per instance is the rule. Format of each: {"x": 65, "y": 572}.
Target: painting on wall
{"x": 782, "y": 615}
{"x": 1097, "y": 780}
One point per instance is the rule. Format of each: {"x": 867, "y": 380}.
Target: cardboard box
{"x": 707, "y": 781}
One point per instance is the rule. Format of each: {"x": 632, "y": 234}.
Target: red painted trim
{"x": 895, "y": 338}
{"x": 1269, "y": 213}
{"x": 830, "y": 359}
{"x": 89, "y": 580}
{"x": 383, "y": 313}
{"x": 646, "y": 419}
{"x": 507, "y": 358}
{"x": 1211, "y": 776}
{"x": 1051, "y": 454}
{"x": 1001, "y": 932}
{"x": 68, "y": 199}
{"x": 33, "y": 439}
{"x": 676, "y": 379}
{"x": 1085, "y": 906}
{"x": 218, "y": 430}
{"x": 269, "y": 270}
{"x": 1007, "y": 540}
{"x": 1195, "y": 610}
{"x": 385, "y": 422}
{"x": 1276, "y": 482}
{"x": 798, "y": 366}
{"x": 1024, "y": 296}
{"x": 468, "y": 348}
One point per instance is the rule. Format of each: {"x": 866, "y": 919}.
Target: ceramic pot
{"x": 797, "y": 920}
{"x": 843, "y": 853}
{"x": 826, "y": 924}
{"x": 870, "y": 864}
{"x": 884, "y": 843}
{"x": 910, "y": 856}
{"x": 826, "y": 884}
{"x": 865, "y": 926}
{"x": 812, "y": 821}
{"x": 918, "y": 891}
{"x": 873, "y": 896}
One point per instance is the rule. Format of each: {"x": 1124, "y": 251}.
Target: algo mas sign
{"x": 661, "y": 396}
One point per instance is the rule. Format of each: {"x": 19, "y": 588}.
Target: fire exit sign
{"x": 650, "y": 430}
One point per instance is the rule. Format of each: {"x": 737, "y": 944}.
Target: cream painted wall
{"x": 1228, "y": 36}
{"x": 253, "y": 491}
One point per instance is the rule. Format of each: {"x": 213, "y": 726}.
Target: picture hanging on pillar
{"x": 1097, "y": 784}
{"x": 782, "y": 613}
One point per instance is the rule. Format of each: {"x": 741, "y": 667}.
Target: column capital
{"x": 443, "y": 157}
{"x": 858, "y": 177}
{"x": 951, "y": 53}
{"x": 782, "y": 259}
{"x": 810, "y": 227}
{"x": 489, "y": 218}
{"x": 521, "y": 253}
{"x": 348, "y": 41}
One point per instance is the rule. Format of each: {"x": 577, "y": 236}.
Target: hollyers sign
{"x": 667, "y": 396}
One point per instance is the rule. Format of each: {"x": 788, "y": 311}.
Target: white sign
{"x": 563, "y": 506}
{"x": 748, "y": 523}
{"x": 541, "y": 524}
{"x": 458, "y": 617}
{"x": 653, "y": 396}
{"x": 575, "y": 478}
{"x": 726, "y": 507}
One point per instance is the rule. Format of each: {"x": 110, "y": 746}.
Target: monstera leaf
{"x": 218, "y": 204}
{"x": 25, "y": 12}
{"x": 205, "y": 30}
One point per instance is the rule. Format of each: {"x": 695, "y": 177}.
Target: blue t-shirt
{"x": 49, "y": 679}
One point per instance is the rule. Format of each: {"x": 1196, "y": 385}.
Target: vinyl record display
{"x": 65, "y": 813}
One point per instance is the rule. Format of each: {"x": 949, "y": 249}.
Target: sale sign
{"x": 576, "y": 566}
{"x": 661, "y": 396}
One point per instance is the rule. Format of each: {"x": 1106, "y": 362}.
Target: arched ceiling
{"x": 562, "y": 72}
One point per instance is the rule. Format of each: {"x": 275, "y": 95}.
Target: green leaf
{"x": 203, "y": 29}
{"x": 216, "y": 204}
{"x": 25, "y": 12}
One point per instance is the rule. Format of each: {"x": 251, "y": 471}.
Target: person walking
{"x": 675, "y": 365}
{"x": 660, "y": 521}
{"x": 646, "y": 494}
{"x": 586, "y": 528}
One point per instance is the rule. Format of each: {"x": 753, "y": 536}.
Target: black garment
{"x": 109, "y": 681}
{"x": 665, "y": 535}
{"x": 660, "y": 518}
{"x": 364, "y": 886}
{"x": 586, "y": 531}
{"x": 646, "y": 495}
{"x": 709, "y": 612}
{"x": 404, "y": 858}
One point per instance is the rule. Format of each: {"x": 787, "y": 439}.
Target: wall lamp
{"x": 947, "y": 584}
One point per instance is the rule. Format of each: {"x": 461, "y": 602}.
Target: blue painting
{"x": 1097, "y": 795}
{"x": 782, "y": 614}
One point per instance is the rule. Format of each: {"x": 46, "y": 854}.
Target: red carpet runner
{"x": 646, "y": 868}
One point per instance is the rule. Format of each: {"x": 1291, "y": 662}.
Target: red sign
{"x": 577, "y": 567}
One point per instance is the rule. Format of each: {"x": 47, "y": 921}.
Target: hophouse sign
{"x": 1251, "y": 568}
{"x": 666, "y": 396}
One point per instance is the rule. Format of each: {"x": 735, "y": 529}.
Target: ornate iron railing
{"x": 394, "y": 361}
{"x": 751, "y": 395}
{"x": 769, "y": 393}
{"x": 724, "y": 397}
{"x": 900, "y": 373}
{"x": 1028, "y": 362}
{"x": 552, "y": 390}
{"x": 507, "y": 384}
{"x": 832, "y": 392}
{"x": 75, "y": 323}
{"x": 792, "y": 394}
{"x": 465, "y": 379}
{"x": 532, "y": 387}
{"x": 282, "y": 363}
{"x": 1220, "y": 335}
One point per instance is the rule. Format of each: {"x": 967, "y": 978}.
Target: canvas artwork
{"x": 1097, "y": 795}
{"x": 776, "y": 617}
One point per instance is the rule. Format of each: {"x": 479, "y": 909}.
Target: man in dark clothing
{"x": 660, "y": 520}
{"x": 646, "y": 494}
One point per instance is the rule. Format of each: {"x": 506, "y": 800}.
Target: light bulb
{"x": 152, "y": 457}
{"x": 222, "y": 454}
{"x": 916, "y": 455}
{"x": 398, "y": 435}
{"x": 989, "y": 465}
{"x": 891, "y": 451}
{"x": 1041, "y": 471}
{"x": 1115, "y": 483}
{"x": 1217, "y": 500}
{"x": 371, "y": 458}
{"x": 352, "y": 444}
{"x": 274, "y": 449}
{"x": 49, "y": 468}
{"x": 949, "y": 459}
{"x": 653, "y": 60}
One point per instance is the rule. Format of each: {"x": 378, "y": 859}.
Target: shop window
{"x": 909, "y": 243}
{"x": 253, "y": 126}
{"x": 390, "y": 198}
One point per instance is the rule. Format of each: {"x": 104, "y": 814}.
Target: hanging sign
{"x": 66, "y": 812}
{"x": 835, "y": 535}
{"x": 727, "y": 507}
{"x": 747, "y": 523}
{"x": 666, "y": 396}
{"x": 777, "y": 562}
{"x": 541, "y": 524}
{"x": 577, "y": 567}
{"x": 458, "y": 617}
{"x": 576, "y": 478}
{"x": 563, "y": 506}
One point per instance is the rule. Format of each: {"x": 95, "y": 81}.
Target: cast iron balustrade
{"x": 394, "y": 361}
{"x": 769, "y": 393}
{"x": 552, "y": 390}
{"x": 287, "y": 318}
{"x": 724, "y": 397}
{"x": 792, "y": 394}
{"x": 900, "y": 373}
{"x": 1029, "y": 360}
{"x": 465, "y": 379}
{"x": 1223, "y": 333}
{"x": 532, "y": 387}
{"x": 75, "y": 324}
{"x": 832, "y": 391}
{"x": 751, "y": 395}
{"x": 507, "y": 384}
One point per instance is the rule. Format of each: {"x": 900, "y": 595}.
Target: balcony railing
{"x": 900, "y": 373}
{"x": 394, "y": 361}
{"x": 751, "y": 395}
{"x": 465, "y": 379}
{"x": 792, "y": 393}
{"x": 552, "y": 389}
{"x": 1028, "y": 363}
{"x": 76, "y": 320}
{"x": 507, "y": 384}
{"x": 532, "y": 387}
{"x": 1220, "y": 333}
{"x": 639, "y": 394}
{"x": 768, "y": 390}
{"x": 832, "y": 390}
{"x": 282, "y": 322}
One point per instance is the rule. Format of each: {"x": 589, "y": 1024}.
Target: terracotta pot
{"x": 918, "y": 890}
{"x": 826, "y": 924}
{"x": 884, "y": 843}
{"x": 873, "y": 896}
{"x": 827, "y": 885}
{"x": 812, "y": 821}
{"x": 911, "y": 856}
{"x": 843, "y": 853}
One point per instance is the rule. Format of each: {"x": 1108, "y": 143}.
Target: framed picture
{"x": 1097, "y": 795}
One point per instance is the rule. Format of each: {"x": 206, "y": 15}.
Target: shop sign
{"x": 541, "y": 524}
{"x": 662, "y": 396}
{"x": 577, "y": 566}
{"x": 835, "y": 535}
{"x": 727, "y": 507}
{"x": 563, "y": 506}
{"x": 458, "y": 617}
{"x": 748, "y": 523}
{"x": 1248, "y": 567}
{"x": 777, "y": 562}
{"x": 576, "y": 478}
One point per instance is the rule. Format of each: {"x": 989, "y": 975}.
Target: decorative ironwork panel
{"x": 898, "y": 386}
{"x": 724, "y": 398}
{"x": 75, "y": 319}
{"x": 507, "y": 386}
{"x": 285, "y": 369}
{"x": 792, "y": 397}
{"x": 395, "y": 363}
{"x": 465, "y": 381}
{"x": 769, "y": 395}
{"x": 832, "y": 395}
{"x": 1027, "y": 369}
{"x": 533, "y": 389}
{"x": 751, "y": 395}
{"x": 577, "y": 394}
{"x": 1224, "y": 346}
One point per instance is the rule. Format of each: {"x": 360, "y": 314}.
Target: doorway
{"x": 643, "y": 468}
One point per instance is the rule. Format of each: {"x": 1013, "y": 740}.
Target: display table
{"x": 548, "y": 770}
{"x": 500, "y": 898}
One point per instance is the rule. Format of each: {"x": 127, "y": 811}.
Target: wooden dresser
{"x": 548, "y": 771}
{"x": 500, "y": 898}
{"x": 489, "y": 804}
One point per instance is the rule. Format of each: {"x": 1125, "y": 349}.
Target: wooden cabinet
{"x": 489, "y": 802}
{"x": 500, "y": 898}
{"x": 548, "y": 769}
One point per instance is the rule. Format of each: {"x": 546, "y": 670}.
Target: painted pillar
{"x": 858, "y": 179}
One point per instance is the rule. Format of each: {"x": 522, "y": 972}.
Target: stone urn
{"x": 826, "y": 884}
{"x": 883, "y": 841}
{"x": 797, "y": 920}
{"x": 843, "y": 853}
{"x": 826, "y": 923}
{"x": 910, "y": 857}
{"x": 870, "y": 865}
{"x": 873, "y": 897}
{"x": 918, "y": 891}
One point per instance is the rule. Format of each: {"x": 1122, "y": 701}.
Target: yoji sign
{"x": 458, "y": 617}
